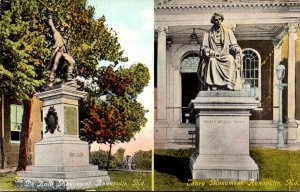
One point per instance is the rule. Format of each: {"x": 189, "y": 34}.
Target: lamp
{"x": 280, "y": 69}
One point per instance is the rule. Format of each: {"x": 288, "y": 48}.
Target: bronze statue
{"x": 61, "y": 48}
{"x": 220, "y": 58}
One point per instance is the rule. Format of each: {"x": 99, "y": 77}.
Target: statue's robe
{"x": 219, "y": 70}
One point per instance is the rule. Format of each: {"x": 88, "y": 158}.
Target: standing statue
{"x": 61, "y": 48}
{"x": 220, "y": 58}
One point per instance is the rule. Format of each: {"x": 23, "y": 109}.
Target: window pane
{"x": 16, "y": 115}
{"x": 252, "y": 83}
{"x": 252, "y": 64}
{"x": 256, "y": 64}
{"x": 13, "y": 113}
{"x": 256, "y": 74}
{"x": 247, "y": 73}
{"x": 248, "y": 61}
{"x": 256, "y": 83}
{"x": 19, "y": 113}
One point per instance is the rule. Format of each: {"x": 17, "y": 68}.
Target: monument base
{"x": 227, "y": 167}
{"x": 61, "y": 158}
{"x": 62, "y": 177}
{"x": 222, "y": 136}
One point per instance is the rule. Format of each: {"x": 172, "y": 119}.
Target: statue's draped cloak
{"x": 219, "y": 70}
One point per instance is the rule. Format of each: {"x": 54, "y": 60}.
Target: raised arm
{"x": 50, "y": 22}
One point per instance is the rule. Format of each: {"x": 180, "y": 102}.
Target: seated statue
{"x": 220, "y": 58}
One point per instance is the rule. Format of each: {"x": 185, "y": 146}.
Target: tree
{"x": 25, "y": 46}
{"x": 118, "y": 158}
{"x": 120, "y": 116}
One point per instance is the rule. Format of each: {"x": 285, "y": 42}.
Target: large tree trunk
{"x": 109, "y": 157}
{"x": 23, "y": 151}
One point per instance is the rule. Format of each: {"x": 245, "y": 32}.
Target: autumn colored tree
{"x": 26, "y": 45}
{"x": 118, "y": 116}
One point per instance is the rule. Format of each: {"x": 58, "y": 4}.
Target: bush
{"x": 100, "y": 158}
{"x": 142, "y": 160}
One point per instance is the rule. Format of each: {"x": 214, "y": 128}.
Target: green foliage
{"x": 142, "y": 160}
{"x": 7, "y": 182}
{"x": 118, "y": 158}
{"x": 179, "y": 153}
{"x": 24, "y": 48}
{"x": 279, "y": 170}
{"x": 100, "y": 158}
{"x": 26, "y": 43}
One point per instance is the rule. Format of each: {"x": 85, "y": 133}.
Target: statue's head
{"x": 217, "y": 18}
{"x": 61, "y": 25}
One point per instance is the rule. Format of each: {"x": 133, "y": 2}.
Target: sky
{"x": 133, "y": 22}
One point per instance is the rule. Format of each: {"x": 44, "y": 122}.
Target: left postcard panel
{"x": 77, "y": 94}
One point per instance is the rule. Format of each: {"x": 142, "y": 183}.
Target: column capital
{"x": 292, "y": 29}
{"x": 161, "y": 29}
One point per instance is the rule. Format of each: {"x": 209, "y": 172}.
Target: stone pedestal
{"x": 61, "y": 158}
{"x": 222, "y": 131}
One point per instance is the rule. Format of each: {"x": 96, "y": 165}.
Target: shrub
{"x": 142, "y": 160}
{"x": 100, "y": 158}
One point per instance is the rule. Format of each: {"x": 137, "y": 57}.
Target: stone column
{"x": 292, "y": 28}
{"x": 177, "y": 94}
{"x": 161, "y": 74}
{"x": 277, "y": 59}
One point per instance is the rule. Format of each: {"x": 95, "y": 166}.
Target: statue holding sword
{"x": 61, "y": 48}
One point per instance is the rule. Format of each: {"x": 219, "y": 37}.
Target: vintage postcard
{"x": 77, "y": 95}
{"x": 226, "y": 95}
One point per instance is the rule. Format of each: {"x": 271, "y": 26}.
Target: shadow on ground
{"x": 176, "y": 164}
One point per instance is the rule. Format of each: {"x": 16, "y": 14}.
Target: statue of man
{"x": 61, "y": 48}
{"x": 219, "y": 65}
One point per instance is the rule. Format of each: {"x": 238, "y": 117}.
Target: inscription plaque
{"x": 71, "y": 120}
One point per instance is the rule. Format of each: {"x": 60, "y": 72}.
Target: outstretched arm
{"x": 50, "y": 22}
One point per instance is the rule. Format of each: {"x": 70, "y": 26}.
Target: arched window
{"x": 189, "y": 63}
{"x": 252, "y": 71}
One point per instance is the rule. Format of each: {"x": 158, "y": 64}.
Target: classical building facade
{"x": 267, "y": 33}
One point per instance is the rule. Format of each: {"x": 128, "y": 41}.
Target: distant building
{"x": 266, "y": 30}
{"x": 11, "y": 114}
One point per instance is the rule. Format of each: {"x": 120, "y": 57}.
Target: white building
{"x": 266, "y": 31}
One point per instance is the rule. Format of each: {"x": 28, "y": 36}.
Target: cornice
{"x": 230, "y": 4}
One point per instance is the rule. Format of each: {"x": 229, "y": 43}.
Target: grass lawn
{"x": 279, "y": 171}
{"x": 121, "y": 181}
{"x": 128, "y": 181}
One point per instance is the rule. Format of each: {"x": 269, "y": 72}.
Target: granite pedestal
{"x": 61, "y": 158}
{"x": 222, "y": 136}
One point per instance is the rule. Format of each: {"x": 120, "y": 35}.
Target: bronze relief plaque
{"x": 51, "y": 120}
{"x": 71, "y": 120}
